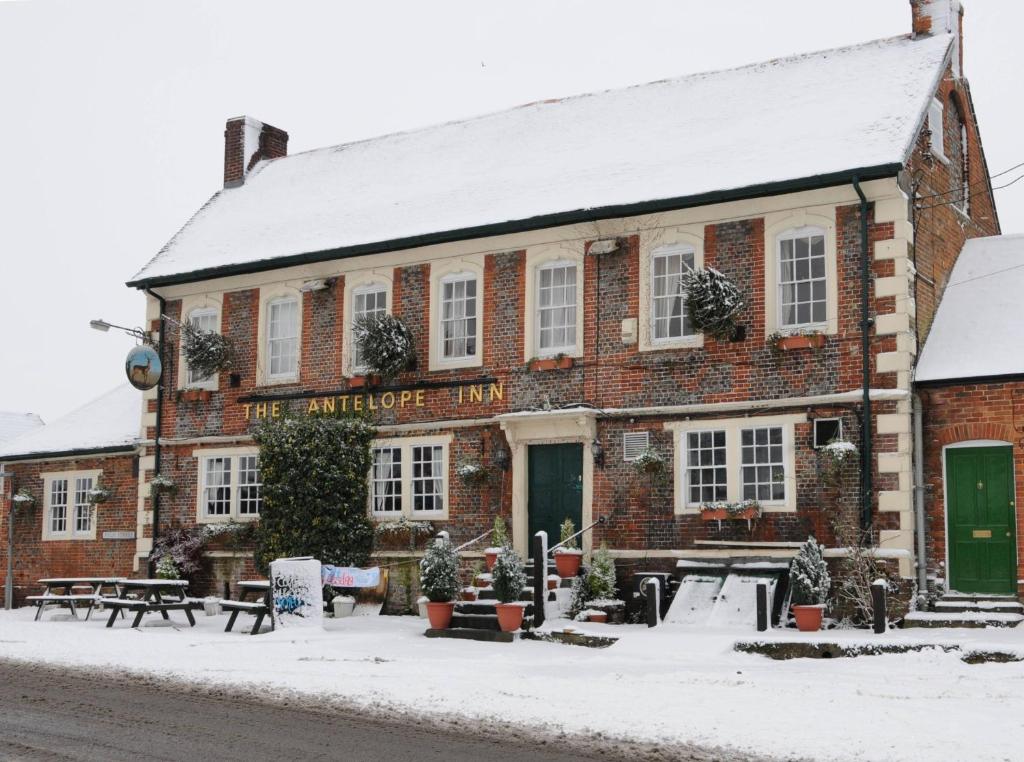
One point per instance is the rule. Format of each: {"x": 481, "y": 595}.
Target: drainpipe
{"x": 865, "y": 339}
{"x": 159, "y": 417}
{"x": 919, "y": 527}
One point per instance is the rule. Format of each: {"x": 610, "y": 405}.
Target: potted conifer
{"x": 809, "y": 582}
{"x": 568, "y": 556}
{"x": 499, "y": 539}
{"x": 509, "y": 581}
{"x": 439, "y": 580}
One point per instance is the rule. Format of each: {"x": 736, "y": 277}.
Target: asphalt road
{"x": 49, "y": 714}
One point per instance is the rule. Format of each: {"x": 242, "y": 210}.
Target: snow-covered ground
{"x": 668, "y": 684}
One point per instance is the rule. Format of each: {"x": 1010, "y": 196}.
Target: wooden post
{"x": 878, "y": 588}
{"x": 652, "y": 590}
{"x": 540, "y": 576}
{"x": 762, "y": 606}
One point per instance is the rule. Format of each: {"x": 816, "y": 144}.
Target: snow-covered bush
{"x": 499, "y": 537}
{"x": 314, "y": 490}
{"x": 808, "y": 575}
{"x": 580, "y": 595}
{"x": 602, "y": 574}
{"x": 165, "y": 568}
{"x": 472, "y": 473}
{"x": 713, "y": 302}
{"x": 206, "y": 352}
{"x": 649, "y": 461}
{"x": 439, "y": 572}
{"x": 733, "y": 509}
{"x": 566, "y": 532}
{"x": 385, "y": 343}
{"x": 508, "y": 575}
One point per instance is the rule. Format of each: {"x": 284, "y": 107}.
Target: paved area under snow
{"x": 664, "y": 685}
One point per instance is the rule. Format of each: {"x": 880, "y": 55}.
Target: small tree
{"x": 206, "y": 352}
{"x": 509, "y": 578}
{"x": 568, "y": 529}
{"x": 713, "y": 302}
{"x": 439, "y": 572}
{"x": 315, "y": 490}
{"x": 499, "y": 537}
{"x": 601, "y": 580}
{"x": 808, "y": 575}
{"x": 580, "y": 595}
{"x": 385, "y": 343}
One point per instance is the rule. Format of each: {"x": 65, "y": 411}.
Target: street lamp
{"x": 104, "y": 326}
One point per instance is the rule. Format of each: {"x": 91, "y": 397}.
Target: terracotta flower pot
{"x": 568, "y": 564}
{"x": 490, "y": 558}
{"x": 468, "y": 594}
{"x": 551, "y": 363}
{"x": 478, "y": 582}
{"x": 808, "y": 618}
{"x": 552, "y": 584}
{"x": 811, "y": 341}
{"x": 600, "y": 618}
{"x": 440, "y": 614}
{"x": 510, "y": 616}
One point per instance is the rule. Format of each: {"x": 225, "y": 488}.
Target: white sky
{"x": 112, "y": 117}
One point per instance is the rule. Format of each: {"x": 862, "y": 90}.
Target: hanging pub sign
{"x": 143, "y": 367}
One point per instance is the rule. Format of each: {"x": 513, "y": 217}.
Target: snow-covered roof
{"x": 15, "y": 424}
{"x": 783, "y": 121}
{"x": 978, "y": 327}
{"x": 112, "y": 420}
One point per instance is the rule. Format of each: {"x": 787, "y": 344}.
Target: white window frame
{"x": 442, "y": 273}
{"x": 69, "y": 533}
{"x": 211, "y": 381}
{"x": 268, "y": 296}
{"x": 672, "y": 250}
{"x": 290, "y": 374}
{"x": 192, "y": 305}
{"x": 794, "y": 234}
{"x": 406, "y": 445}
{"x": 235, "y": 454}
{"x": 733, "y": 428}
{"x": 685, "y": 238}
{"x": 362, "y": 283}
{"x": 778, "y": 225}
{"x": 936, "y": 125}
{"x": 547, "y": 258}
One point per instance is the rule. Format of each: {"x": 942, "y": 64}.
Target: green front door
{"x": 555, "y": 479}
{"x": 980, "y": 508}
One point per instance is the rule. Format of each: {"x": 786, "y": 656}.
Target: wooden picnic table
{"x": 60, "y": 591}
{"x": 259, "y": 591}
{"x": 151, "y": 592}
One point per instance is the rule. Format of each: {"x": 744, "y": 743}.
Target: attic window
{"x": 827, "y": 430}
{"x": 936, "y": 129}
{"x": 634, "y": 443}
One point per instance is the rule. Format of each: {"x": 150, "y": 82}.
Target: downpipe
{"x": 155, "y": 497}
{"x": 866, "y": 478}
{"x": 919, "y": 519}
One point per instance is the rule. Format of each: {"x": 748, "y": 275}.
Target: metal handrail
{"x": 601, "y": 520}
{"x": 474, "y": 540}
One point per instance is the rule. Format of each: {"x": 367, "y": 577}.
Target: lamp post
{"x": 9, "y": 580}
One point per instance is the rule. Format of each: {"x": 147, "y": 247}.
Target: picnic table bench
{"x": 59, "y": 592}
{"x": 151, "y": 599}
{"x": 258, "y": 608}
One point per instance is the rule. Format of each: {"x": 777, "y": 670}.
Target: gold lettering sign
{"x": 471, "y": 394}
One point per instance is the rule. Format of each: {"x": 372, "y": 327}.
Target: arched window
{"x": 960, "y": 168}
{"x": 206, "y": 319}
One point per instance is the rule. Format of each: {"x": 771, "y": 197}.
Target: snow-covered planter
{"x": 206, "y": 352}
{"x": 791, "y": 341}
{"x": 650, "y": 462}
{"x": 23, "y": 498}
{"x": 809, "y": 583}
{"x": 166, "y": 568}
{"x": 558, "y": 362}
{"x": 386, "y": 345}
{"x": 439, "y": 580}
{"x": 568, "y": 556}
{"x": 592, "y": 615}
{"x": 98, "y": 494}
{"x": 601, "y": 580}
{"x": 499, "y": 539}
{"x": 472, "y": 473}
{"x": 211, "y": 605}
{"x": 161, "y": 484}
{"x": 343, "y": 605}
{"x": 509, "y": 581}
{"x": 468, "y": 594}
{"x": 402, "y": 534}
{"x": 722, "y": 511}
{"x": 713, "y": 302}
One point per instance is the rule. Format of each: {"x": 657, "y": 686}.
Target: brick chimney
{"x": 247, "y": 141}
{"x": 940, "y": 17}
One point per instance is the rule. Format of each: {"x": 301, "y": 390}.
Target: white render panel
{"x": 893, "y": 248}
{"x": 894, "y": 501}
{"x": 897, "y": 322}
{"x": 890, "y": 362}
{"x": 893, "y": 462}
{"x": 896, "y": 285}
{"x": 892, "y": 423}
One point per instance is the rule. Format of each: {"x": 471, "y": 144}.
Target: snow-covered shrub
{"x": 402, "y": 526}
{"x": 385, "y": 343}
{"x": 508, "y": 575}
{"x": 808, "y": 575}
{"x": 566, "y": 532}
{"x": 472, "y": 473}
{"x": 713, "y": 302}
{"x": 649, "y": 461}
{"x": 314, "y": 490}
{"x": 580, "y": 595}
{"x": 439, "y": 572}
{"x": 602, "y": 574}
{"x": 733, "y": 509}
{"x": 206, "y": 352}
{"x": 499, "y": 537}
{"x": 165, "y": 568}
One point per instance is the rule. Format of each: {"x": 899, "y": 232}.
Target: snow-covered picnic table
{"x": 150, "y": 597}
{"x": 59, "y": 591}
{"x": 259, "y": 590}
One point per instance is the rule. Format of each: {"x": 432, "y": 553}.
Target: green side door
{"x": 980, "y": 510}
{"x": 555, "y": 488}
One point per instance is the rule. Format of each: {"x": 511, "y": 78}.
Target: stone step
{"x": 481, "y": 621}
{"x": 970, "y": 619}
{"x": 487, "y": 636}
{"x": 487, "y": 594}
{"x": 978, "y": 598}
{"x": 484, "y": 607}
{"x": 987, "y": 607}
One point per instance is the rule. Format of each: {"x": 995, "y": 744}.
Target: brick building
{"x": 534, "y": 255}
{"x": 971, "y": 384}
{"x": 65, "y": 530}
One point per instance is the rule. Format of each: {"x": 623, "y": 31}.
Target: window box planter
{"x": 800, "y": 341}
{"x": 551, "y": 363}
{"x": 721, "y": 514}
{"x": 195, "y": 395}
{"x": 360, "y": 382}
